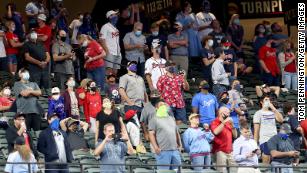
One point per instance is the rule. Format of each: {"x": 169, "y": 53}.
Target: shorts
{"x": 113, "y": 61}
{"x": 12, "y": 59}
{"x": 180, "y": 114}
{"x": 265, "y": 149}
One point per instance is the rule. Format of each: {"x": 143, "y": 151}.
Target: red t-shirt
{"x": 6, "y": 101}
{"x": 291, "y": 68}
{"x": 46, "y": 30}
{"x": 304, "y": 127}
{"x": 222, "y": 141}
{"x": 268, "y": 56}
{"x": 92, "y": 105}
{"x": 79, "y": 91}
{"x": 10, "y": 50}
{"x": 93, "y": 49}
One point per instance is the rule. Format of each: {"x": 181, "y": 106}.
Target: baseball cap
{"x": 225, "y": 42}
{"x": 111, "y": 12}
{"x": 155, "y": 43}
{"x": 55, "y": 90}
{"x": 193, "y": 115}
{"x": 71, "y": 122}
{"x": 20, "y": 140}
{"x": 42, "y": 17}
{"x": 20, "y": 114}
{"x": 155, "y": 93}
{"x": 286, "y": 127}
{"x": 129, "y": 114}
{"x": 179, "y": 24}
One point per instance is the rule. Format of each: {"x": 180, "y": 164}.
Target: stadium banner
{"x": 155, "y": 8}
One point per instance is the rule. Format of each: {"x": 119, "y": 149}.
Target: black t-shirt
{"x": 207, "y": 54}
{"x": 295, "y": 136}
{"x": 281, "y": 145}
{"x": 103, "y": 119}
{"x": 37, "y": 51}
{"x": 217, "y": 37}
{"x": 232, "y": 58}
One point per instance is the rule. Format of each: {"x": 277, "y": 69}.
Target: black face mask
{"x": 206, "y": 87}
{"x": 225, "y": 100}
{"x": 94, "y": 89}
{"x": 63, "y": 39}
{"x": 155, "y": 100}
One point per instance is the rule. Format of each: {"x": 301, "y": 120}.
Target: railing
{"x": 130, "y": 167}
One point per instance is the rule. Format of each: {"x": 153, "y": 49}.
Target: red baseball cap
{"x": 129, "y": 114}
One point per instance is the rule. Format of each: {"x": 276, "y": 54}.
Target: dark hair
{"x": 262, "y": 98}
{"x": 244, "y": 125}
{"x": 110, "y": 76}
{"x": 287, "y": 108}
{"x": 218, "y": 51}
{"x": 257, "y": 28}
{"x": 185, "y": 4}
{"x": 205, "y": 39}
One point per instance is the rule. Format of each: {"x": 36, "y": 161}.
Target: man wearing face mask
{"x": 43, "y": 31}
{"x": 26, "y": 100}
{"x": 53, "y": 143}
{"x": 282, "y": 150}
{"x": 204, "y": 20}
{"x": 6, "y": 100}
{"x": 235, "y": 94}
{"x": 278, "y": 36}
{"x": 109, "y": 38}
{"x": 171, "y": 86}
{"x": 230, "y": 62}
{"x": 37, "y": 57}
{"x": 265, "y": 126}
{"x": 134, "y": 43}
{"x": 56, "y": 104}
{"x": 63, "y": 57}
{"x": 208, "y": 58}
{"x": 132, "y": 89}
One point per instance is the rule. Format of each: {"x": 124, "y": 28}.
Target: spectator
{"x": 13, "y": 45}
{"x": 268, "y": 62}
{"x": 282, "y": 150}
{"x": 134, "y": 43}
{"x": 111, "y": 151}
{"x": 38, "y": 58}
{"x": 223, "y": 129}
{"x": 133, "y": 128}
{"x": 92, "y": 104}
{"x": 178, "y": 43}
{"x": 165, "y": 138}
{"x": 81, "y": 93}
{"x": 235, "y": 95}
{"x": 6, "y": 99}
{"x": 154, "y": 66}
{"x": 204, "y": 20}
{"x": 235, "y": 33}
{"x": 87, "y": 26}
{"x": 265, "y": 126}
{"x": 43, "y": 31}
{"x": 267, "y": 25}
{"x": 56, "y": 104}
{"x": 149, "y": 111}
{"x": 22, "y": 154}
{"x": 75, "y": 130}
{"x": 19, "y": 129}
{"x": 63, "y": 57}
{"x": 156, "y": 36}
{"x": 259, "y": 40}
{"x": 132, "y": 89}
{"x": 303, "y": 125}
{"x": 277, "y": 36}
{"x": 219, "y": 76}
{"x": 196, "y": 142}
{"x": 208, "y": 58}
{"x": 109, "y": 36}
{"x": 189, "y": 22}
{"x": 164, "y": 23}
{"x": 94, "y": 60}
{"x": 205, "y": 104}
{"x": 26, "y": 100}
{"x": 287, "y": 60}
{"x": 230, "y": 62}
{"x": 265, "y": 89}
{"x": 217, "y": 34}
{"x": 53, "y": 144}
{"x": 112, "y": 90}
{"x": 15, "y": 16}
{"x": 3, "y": 43}
{"x": 75, "y": 27}
{"x": 245, "y": 151}
{"x": 171, "y": 86}
{"x": 60, "y": 14}
{"x": 70, "y": 100}
{"x": 33, "y": 9}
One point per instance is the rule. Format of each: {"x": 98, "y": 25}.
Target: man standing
{"x": 52, "y": 142}
{"x": 132, "y": 89}
{"x": 38, "y": 58}
{"x": 109, "y": 36}
{"x": 223, "y": 129}
{"x": 63, "y": 58}
{"x": 26, "y": 100}
{"x": 44, "y": 32}
{"x": 171, "y": 87}
{"x": 245, "y": 151}
{"x": 204, "y": 20}
{"x": 205, "y": 104}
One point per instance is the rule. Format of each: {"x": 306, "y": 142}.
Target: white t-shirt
{"x": 111, "y": 35}
{"x": 267, "y": 122}
{"x": 2, "y": 49}
{"x": 156, "y": 68}
{"x": 16, "y": 157}
{"x": 204, "y": 19}
{"x": 75, "y": 24}
{"x": 134, "y": 131}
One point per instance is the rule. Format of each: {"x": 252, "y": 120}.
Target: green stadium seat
{"x": 93, "y": 170}
{"x": 142, "y": 170}
{"x": 165, "y": 171}
{"x": 74, "y": 170}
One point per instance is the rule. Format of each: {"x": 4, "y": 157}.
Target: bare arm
{"x": 57, "y": 57}
{"x": 186, "y": 85}
{"x": 96, "y": 131}
{"x": 47, "y": 57}
{"x": 36, "y": 93}
{"x": 256, "y": 132}
{"x": 152, "y": 138}
{"x": 259, "y": 91}
{"x": 149, "y": 81}
{"x": 264, "y": 66}
{"x": 276, "y": 90}
{"x": 278, "y": 154}
{"x": 42, "y": 38}
{"x": 104, "y": 45}
{"x": 178, "y": 140}
{"x": 15, "y": 44}
{"x": 63, "y": 124}
{"x": 84, "y": 126}
{"x": 166, "y": 53}
{"x": 195, "y": 110}
{"x": 100, "y": 148}
{"x": 207, "y": 62}
{"x": 235, "y": 69}
{"x": 219, "y": 129}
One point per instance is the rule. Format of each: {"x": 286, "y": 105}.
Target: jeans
{"x": 33, "y": 121}
{"x": 98, "y": 75}
{"x": 168, "y": 158}
{"x": 201, "y": 160}
{"x": 290, "y": 80}
{"x": 54, "y": 168}
{"x": 270, "y": 80}
{"x": 40, "y": 77}
{"x": 180, "y": 114}
{"x": 281, "y": 170}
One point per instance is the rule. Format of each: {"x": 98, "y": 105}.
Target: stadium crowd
{"x": 65, "y": 83}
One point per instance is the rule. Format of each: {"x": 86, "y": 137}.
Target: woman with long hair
{"x": 23, "y": 153}
{"x": 259, "y": 41}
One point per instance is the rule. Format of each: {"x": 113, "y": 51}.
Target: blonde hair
{"x": 233, "y": 18}
{"x": 24, "y": 151}
{"x": 84, "y": 82}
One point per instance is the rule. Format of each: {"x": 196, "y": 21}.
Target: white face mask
{"x": 26, "y": 76}
{"x": 7, "y": 92}
{"x": 56, "y": 97}
{"x": 33, "y": 36}
{"x": 210, "y": 43}
{"x": 107, "y": 105}
{"x": 85, "y": 43}
{"x": 71, "y": 83}
{"x": 266, "y": 104}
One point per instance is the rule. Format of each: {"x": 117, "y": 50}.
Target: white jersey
{"x": 111, "y": 36}
{"x": 204, "y": 19}
{"x": 156, "y": 68}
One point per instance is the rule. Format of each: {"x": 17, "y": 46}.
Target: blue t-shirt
{"x": 259, "y": 42}
{"x": 207, "y": 105}
{"x": 232, "y": 58}
{"x": 208, "y": 54}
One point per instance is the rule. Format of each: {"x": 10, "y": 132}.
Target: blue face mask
{"x": 155, "y": 33}
{"x": 113, "y": 20}
{"x": 138, "y": 33}
{"x": 283, "y": 136}
{"x": 55, "y": 124}
{"x": 132, "y": 68}
{"x": 172, "y": 69}
{"x": 236, "y": 21}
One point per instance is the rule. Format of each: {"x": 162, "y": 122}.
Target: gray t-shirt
{"x": 182, "y": 50}
{"x": 267, "y": 122}
{"x": 165, "y": 130}
{"x": 135, "y": 88}
{"x": 26, "y": 105}
{"x": 135, "y": 54}
{"x": 65, "y": 66}
{"x": 148, "y": 112}
{"x": 281, "y": 145}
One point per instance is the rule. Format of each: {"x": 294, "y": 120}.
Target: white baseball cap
{"x": 111, "y": 12}
{"x": 42, "y": 17}
{"x": 179, "y": 24}
{"x": 55, "y": 90}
